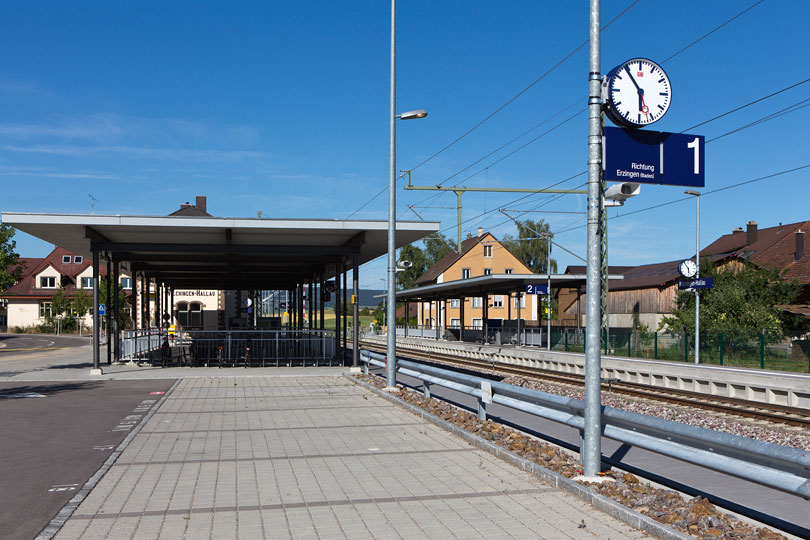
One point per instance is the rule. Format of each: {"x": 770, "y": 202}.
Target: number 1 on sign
{"x": 695, "y": 145}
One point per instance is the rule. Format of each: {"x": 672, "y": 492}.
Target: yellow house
{"x": 481, "y": 255}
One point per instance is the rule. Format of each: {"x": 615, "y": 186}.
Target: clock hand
{"x": 644, "y": 107}
{"x": 640, "y": 91}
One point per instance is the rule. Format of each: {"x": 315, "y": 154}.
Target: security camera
{"x": 623, "y": 191}
{"x": 405, "y": 264}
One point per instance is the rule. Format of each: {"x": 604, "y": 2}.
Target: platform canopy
{"x": 220, "y": 253}
{"x": 491, "y": 284}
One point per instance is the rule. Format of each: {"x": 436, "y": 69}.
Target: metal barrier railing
{"x": 780, "y": 467}
{"x": 233, "y": 348}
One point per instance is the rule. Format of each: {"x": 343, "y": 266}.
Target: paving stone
{"x": 296, "y": 455}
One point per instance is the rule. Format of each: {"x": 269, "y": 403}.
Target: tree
{"x": 124, "y": 318}
{"x": 531, "y": 245}
{"x": 436, "y": 246}
{"x": 742, "y": 303}
{"x": 11, "y": 269}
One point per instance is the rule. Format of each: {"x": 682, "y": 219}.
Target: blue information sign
{"x": 102, "y": 309}
{"x": 536, "y": 289}
{"x": 653, "y": 157}
{"x": 697, "y": 283}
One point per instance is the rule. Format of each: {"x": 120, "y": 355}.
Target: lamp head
{"x": 690, "y": 192}
{"x": 411, "y": 115}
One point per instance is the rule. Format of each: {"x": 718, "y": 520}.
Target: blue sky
{"x": 282, "y": 107}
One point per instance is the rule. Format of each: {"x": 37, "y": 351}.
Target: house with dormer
{"x": 29, "y": 302}
{"x": 480, "y": 255}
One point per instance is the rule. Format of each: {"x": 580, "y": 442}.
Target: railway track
{"x": 780, "y": 414}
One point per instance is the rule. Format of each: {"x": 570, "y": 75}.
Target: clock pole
{"x": 591, "y": 451}
{"x": 696, "y": 195}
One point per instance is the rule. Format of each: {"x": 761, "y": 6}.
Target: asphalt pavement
{"x": 22, "y": 344}
{"x": 54, "y": 436}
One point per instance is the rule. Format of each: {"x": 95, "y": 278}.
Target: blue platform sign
{"x": 102, "y": 309}
{"x": 536, "y": 289}
{"x": 653, "y": 157}
{"x": 697, "y": 283}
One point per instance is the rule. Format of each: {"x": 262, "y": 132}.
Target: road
{"x": 17, "y": 344}
{"x": 54, "y": 436}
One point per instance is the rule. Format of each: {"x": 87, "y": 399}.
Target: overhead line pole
{"x": 459, "y": 191}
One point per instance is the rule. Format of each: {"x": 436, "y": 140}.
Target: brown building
{"x": 647, "y": 292}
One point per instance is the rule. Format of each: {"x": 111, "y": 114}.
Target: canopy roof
{"x": 491, "y": 284}
{"x": 220, "y": 253}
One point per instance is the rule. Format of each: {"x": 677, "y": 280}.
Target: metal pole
{"x": 591, "y": 452}
{"x": 548, "y": 296}
{"x": 113, "y": 284}
{"x": 109, "y": 312}
{"x": 697, "y": 291}
{"x": 356, "y": 311}
{"x": 96, "y": 318}
{"x": 391, "y": 344}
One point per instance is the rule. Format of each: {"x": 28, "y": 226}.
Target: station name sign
{"x": 698, "y": 283}
{"x": 653, "y": 157}
{"x": 195, "y": 293}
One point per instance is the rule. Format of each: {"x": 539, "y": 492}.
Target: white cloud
{"x": 164, "y": 154}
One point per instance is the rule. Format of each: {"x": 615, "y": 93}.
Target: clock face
{"x": 638, "y": 93}
{"x": 687, "y": 268}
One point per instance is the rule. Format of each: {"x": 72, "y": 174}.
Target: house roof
{"x": 644, "y": 276}
{"x": 68, "y": 271}
{"x": 774, "y": 247}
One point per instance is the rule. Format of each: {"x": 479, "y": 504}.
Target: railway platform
{"x": 312, "y": 455}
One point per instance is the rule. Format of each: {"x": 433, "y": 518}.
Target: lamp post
{"x": 696, "y": 195}
{"x": 391, "y": 344}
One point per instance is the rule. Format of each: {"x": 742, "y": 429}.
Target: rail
{"x": 779, "y": 467}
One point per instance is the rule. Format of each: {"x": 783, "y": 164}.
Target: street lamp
{"x": 391, "y": 344}
{"x": 696, "y": 195}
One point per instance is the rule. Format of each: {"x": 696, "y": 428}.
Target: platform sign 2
{"x": 536, "y": 289}
{"x": 102, "y": 309}
{"x": 653, "y": 157}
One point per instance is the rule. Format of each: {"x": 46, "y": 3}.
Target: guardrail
{"x": 138, "y": 343}
{"x": 780, "y": 467}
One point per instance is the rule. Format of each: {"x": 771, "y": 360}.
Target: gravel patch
{"x": 694, "y": 516}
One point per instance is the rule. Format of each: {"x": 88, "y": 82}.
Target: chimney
{"x": 201, "y": 203}
{"x": 185, "y": 205}
{"x": 480, "y": 231}
{"x": 752, "y": 233}
{"x": 799, "y": 245}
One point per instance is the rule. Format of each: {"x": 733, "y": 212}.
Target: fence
{"x": 779, "y": 467}
{"x": 790, "y": 352}
{"x": 234, "y": 348}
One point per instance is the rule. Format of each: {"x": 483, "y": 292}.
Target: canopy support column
{"x": 96, "y": 319}
{"x": 356, "y": 311}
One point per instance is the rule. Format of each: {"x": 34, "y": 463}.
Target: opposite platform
{"x": 316, "y": 457}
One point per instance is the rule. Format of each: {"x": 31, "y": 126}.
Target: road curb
{"x": 609, "y": 506}
{"x": 64, "y": 514}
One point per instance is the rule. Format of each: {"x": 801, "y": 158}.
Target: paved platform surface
{"x": 313, "y": 456}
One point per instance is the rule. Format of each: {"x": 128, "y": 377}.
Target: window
{"x": 87, "y": 283}
{"x": 455, "y": 303}
{"x": 488, "y": 252}
{"x": 126, "y": 283}
{"x": 477, "y": 323}
{"x": 522, "y": 301}
{"x": 78, "y": 259}
{"x": 189, "y": 315}
{"x": 65, "y": 259}
{"x": 487, "y": 271}
{"x": 47, "y": 282}
{"x": 509, "y": 271}
{"x": 465, "y": 273}
{"x": 497, "y": 301}
{"x": 477, "y": 302}
{"x": 455, "y": 323}
{"x": 44, "y": 309}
